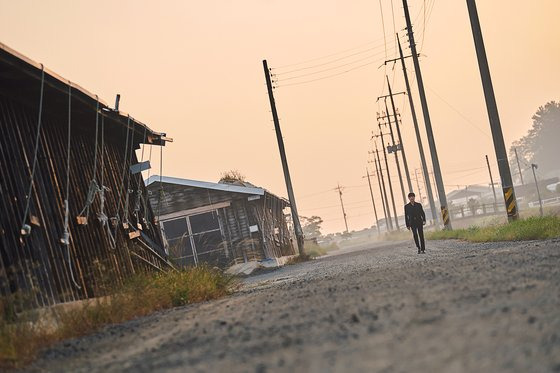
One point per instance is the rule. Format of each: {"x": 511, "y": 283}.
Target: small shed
{"x": 219, "y": 223}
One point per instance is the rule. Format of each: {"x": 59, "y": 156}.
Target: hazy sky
{"x": 193, "y": 69}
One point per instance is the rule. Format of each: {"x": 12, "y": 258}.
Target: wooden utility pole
{"x": 427, "y": 121}
{"x": 394, "y": 150}
{"x": 373, "y": 202}
{"x": 403, "y": 153}
{"x": 493, "y": 188}
{"x": 389, "y": 178}
{"x": 287, "y": 178}
{"x": 381, "y": 180}
{"x": 519, "y": 167}
{"x": 494, "y": 118}
{"x": 418, "y": 137}
{"x": 339, "y": 189}
{"x": 418, "y": 184}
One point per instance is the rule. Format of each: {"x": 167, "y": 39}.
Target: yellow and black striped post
{"x": 511, "y": 203}
{"x": 445, "y": 216}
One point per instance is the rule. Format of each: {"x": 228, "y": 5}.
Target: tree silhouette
{"x": 540, "y": 145}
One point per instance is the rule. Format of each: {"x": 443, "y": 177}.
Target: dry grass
{"x": 314, "y": 250}
{"x": 20, "y": 339}
{"x": 533, "y": 228}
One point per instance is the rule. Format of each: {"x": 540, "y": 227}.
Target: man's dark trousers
{"x": 418, "y": 231}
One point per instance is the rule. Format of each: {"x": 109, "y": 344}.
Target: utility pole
{"x": 418, "y": 184}
{"x": 388, "y": 178}
{"x": 493, "y": 189}
{"x": 342, "y": 205}
{"x": 519, "y": 166}
{"x": 405, "y": 163}
{"x": 418, "y": 137}
{"x": 293, "y": 207}
{"x": 427, "y": 121}
{"x": 494, "y": 118}
{"x": 373, "y": 202}
{"x": 534, "y": 167}
{"x": 394, "y": 147}
{"x": 381, "y": 180}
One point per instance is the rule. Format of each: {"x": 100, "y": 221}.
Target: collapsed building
{"x": 219, "y": 224}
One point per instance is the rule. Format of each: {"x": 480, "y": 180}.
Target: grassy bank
{"x": 533, "y": 228}
{"x": 21, "y": 339}
{"x": 315, "y": 251}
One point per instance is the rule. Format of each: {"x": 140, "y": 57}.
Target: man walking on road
{"x": 415, "y": 220}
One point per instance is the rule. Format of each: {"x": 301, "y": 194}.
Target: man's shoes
{"x": 424, "y": 251}
{"x": 419, "y": 251}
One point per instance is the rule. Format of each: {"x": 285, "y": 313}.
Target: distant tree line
{"x": 540, "y": 145}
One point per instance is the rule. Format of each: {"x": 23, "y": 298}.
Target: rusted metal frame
{"x": 274, "y": 221}
{"x": 26, "y": 128}
{"x": 49, "y": 138}
{"x": 89, "y": 238}
{"x": 18, "y": 263}
{"x": 113, "y": 166}
{"x": 109, "y": 182}
{"x": 13, "y": 147}
{"x": 92, "y": 235}
{"x": 51, "y": 212}
{"x": 81, "y": 241}
{"x": 144, "y": 260}
{"x": 85, "y": 240}
{"x": 27, "y": 247}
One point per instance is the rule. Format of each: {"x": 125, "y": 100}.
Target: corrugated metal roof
{"x": 206, "y": 184}
{"x": 33, "y": 69}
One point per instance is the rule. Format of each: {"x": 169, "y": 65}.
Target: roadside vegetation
{"x": 315, "y": 250}
{"x": 21, "y": 338}
{"x": 532, "y": 228}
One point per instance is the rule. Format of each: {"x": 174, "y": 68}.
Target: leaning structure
{"x": 74, "y": 213}
{"x": 220, "y": 224}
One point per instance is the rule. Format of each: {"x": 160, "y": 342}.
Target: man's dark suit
{"x": 415, "y": 220}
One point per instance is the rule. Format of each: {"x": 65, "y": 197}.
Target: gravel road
{"x": 459, "y": 308}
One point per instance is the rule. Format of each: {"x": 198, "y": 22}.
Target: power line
{"x": 328, "y": 55}
{"x": 328, "y": 76}
{"x": 328, "y": 69}
{"x": 328, "y": 62}
{"x": 460, "y": 114}
{"x": 394, "y": 27}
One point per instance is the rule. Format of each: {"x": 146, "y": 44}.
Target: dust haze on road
{"x": 461, "y": 307}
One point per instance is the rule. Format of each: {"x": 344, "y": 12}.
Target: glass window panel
{"x": 180, "y": 250}
{"x": 204, "y": 222}
{"x": 208, "y": 242}
{"x": 175, "y": 228}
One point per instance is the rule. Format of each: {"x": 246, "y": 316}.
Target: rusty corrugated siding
{"x": 36, "y": 267}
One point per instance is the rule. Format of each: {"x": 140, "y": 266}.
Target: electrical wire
{"x": 394, "y": 27}
{"x": 460, "y": 114}
{"x": 325, "y": 63}
{"x": 328, "y": 69}
{"x": 328, "y": 55}
{"x": 328, "y": 76}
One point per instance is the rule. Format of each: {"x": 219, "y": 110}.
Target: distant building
{"x": 460, "y": 197}
{"x": 219, "y": 223}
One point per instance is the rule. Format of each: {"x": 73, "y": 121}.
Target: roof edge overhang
{"x": 52, "y": 79}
